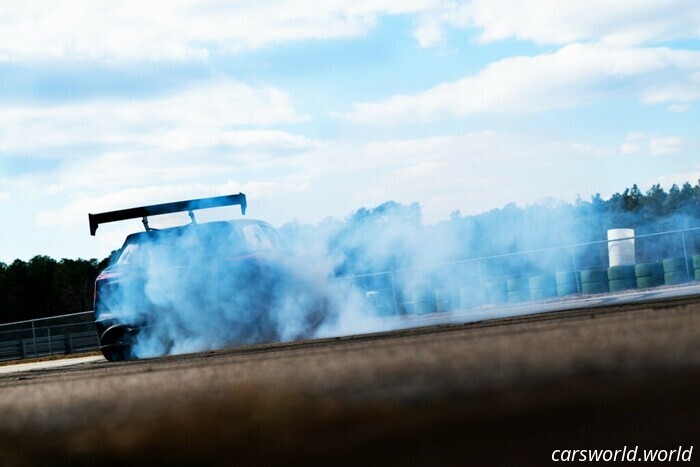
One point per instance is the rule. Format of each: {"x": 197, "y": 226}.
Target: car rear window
{"x": 128, "y": 253}
{"x": 204, "y": 241}
{"x": 260, "y": 237}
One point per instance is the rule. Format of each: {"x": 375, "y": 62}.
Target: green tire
{"x": 593, "y": 276}
{"x": 543, "y": 294}
{"x": 566, "y": 278}
{"x": 675, "y": 278}
{"x": 446, "y": 299}
{"x": 496, "y": 293}
{"x": 543, "y": 282}
{"x": 566, "y": 289}
{"x": 647, "y": 282}
{"x": 675, "y": 265}
{"x": 470, "y": 297}
{"x": 382, "y": 301}
{"x": 424, "y": 308}
{"x": 519, "y": 296}
{"x": 649, "y": 269}
{"x": 423, "y": 295}
{"x": 592, "y": 288}
{"x": 424, "y": 301}
{"x": 621, "y": 272}
{"x": 618, "y": 285}
{"x": 519, "y": 284}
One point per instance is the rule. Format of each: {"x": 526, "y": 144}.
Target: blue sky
{"x": 315, "y": 109}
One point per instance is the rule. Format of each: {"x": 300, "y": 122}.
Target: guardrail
{"x": 57, "y": 335}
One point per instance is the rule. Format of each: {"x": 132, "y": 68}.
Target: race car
{"x": 214, "y": 284}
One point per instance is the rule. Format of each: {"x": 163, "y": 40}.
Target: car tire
{"x": 116, "y": 354}
{"x": 116, "y": 343}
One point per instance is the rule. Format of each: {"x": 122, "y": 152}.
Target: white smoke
{"x": 197, "y": 290}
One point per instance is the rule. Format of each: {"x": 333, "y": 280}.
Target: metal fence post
{"x": 685, "y": 255}
{"x": 577, "y": 277}
{"x": 482, "y": 282}
{"x": 27, "y": 346}
{"x": 34, "y": 337}
{"x": 393, "y": 292}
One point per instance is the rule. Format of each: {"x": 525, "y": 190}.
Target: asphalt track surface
{"x": 609, "y": 372}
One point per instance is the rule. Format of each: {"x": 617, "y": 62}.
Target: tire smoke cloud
{"x": 209, "y": 286}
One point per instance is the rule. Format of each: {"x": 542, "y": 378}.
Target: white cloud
{"x": 428, "y": 33}
{"x": 654, "y": 145}
{"x": 201, "y": 116}
{"x": 691, "y": 176}
{"x": 572, "y": 76}
{"x": 633, "y": 144}
{"x": 663, "y": 146}
{"x": 471, "y": 172}
{"x": 193, "y": 159}
{"x": 677, "y": 108}
{"x": 178, "y": 29}
{"x": 614, "y": 22}
{"x": 203, "y": 140}
{"x": 193, "y": 30}
{"x": 4, "y": 196}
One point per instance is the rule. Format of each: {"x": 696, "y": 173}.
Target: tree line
{"x": 391, "y": 235}
{"x": 394, "y": 236}
{"x": 43, "y": 287}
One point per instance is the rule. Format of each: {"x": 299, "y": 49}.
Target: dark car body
{"x": 197, "y": 267}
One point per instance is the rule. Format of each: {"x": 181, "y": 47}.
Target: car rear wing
{"x": 166, "y": 208}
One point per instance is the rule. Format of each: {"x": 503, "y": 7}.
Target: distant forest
{"x": 389, "y": 235}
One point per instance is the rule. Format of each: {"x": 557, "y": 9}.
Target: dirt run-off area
{"x": 502, "y": 392}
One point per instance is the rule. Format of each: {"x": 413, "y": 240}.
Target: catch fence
{"x": 621, "y": 264}
{"x": 626, "y": 263}
{"x": 42, "y": 337}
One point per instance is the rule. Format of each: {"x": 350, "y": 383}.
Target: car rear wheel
{"x": 116, "y": 343}
{"x": 116, "y": 353}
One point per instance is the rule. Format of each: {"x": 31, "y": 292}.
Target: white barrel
{"x": 621, "y": 252}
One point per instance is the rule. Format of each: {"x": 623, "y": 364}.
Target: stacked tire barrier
{"x": 676, "y": 271}
{"x": 518, "y": 290}
{"x": 670, "y": 271}
{"x": 471, "y": 293}
{"x": 495, "y": 293}
{"x": 478, "y": 282}
{"x": 543, "y": 287}
{"x": 471, "y": 296}
{"x": 382, "y": 301}
{"x": 446, "y": 299}
{"x": 622, "y": 278}
{"x": 424, "y": 301}
{"x": 567, "y": 283}
{"x": 649, "y": 275}
{"x": 595, "y": 281}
